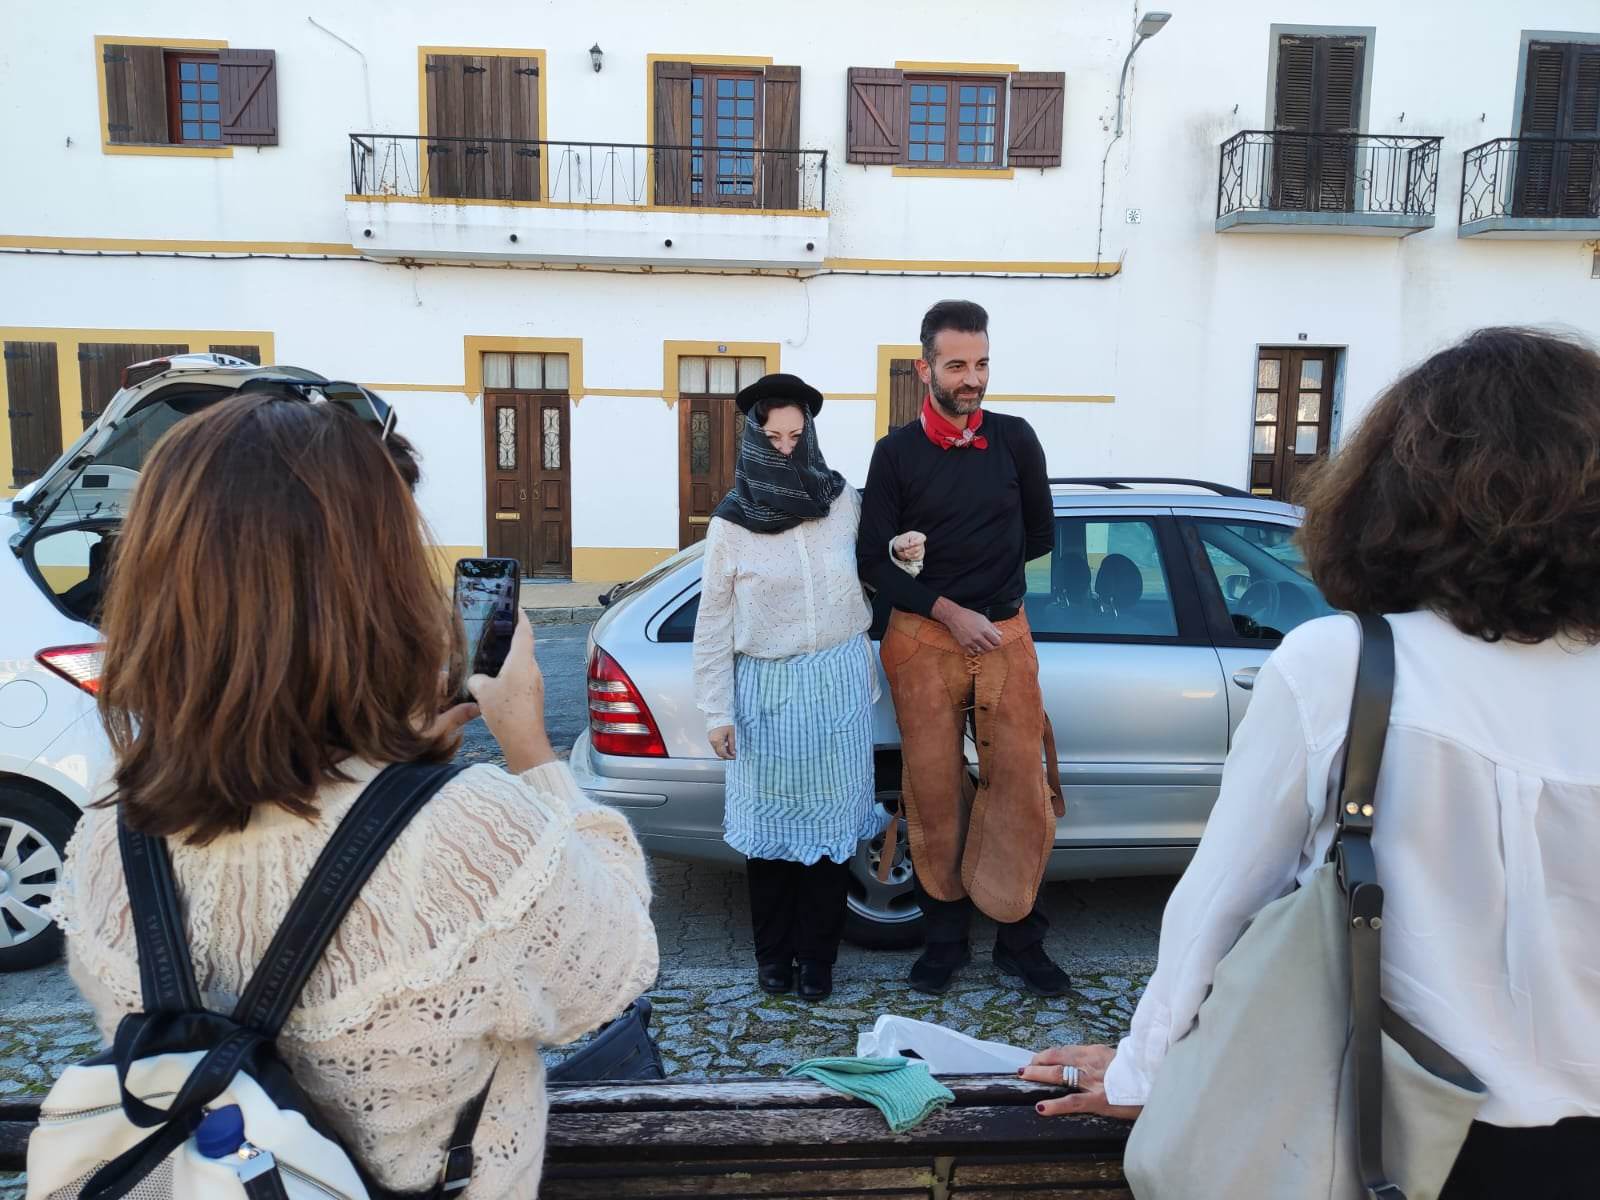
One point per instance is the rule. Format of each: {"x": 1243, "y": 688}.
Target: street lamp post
{"x": 1150, "y": 24}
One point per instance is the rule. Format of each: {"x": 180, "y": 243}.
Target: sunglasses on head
{"x": 366, "y": 406}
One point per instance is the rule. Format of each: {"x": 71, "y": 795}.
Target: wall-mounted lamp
{"x": 1150, "y": 24}
{"x": 596, "y": 56}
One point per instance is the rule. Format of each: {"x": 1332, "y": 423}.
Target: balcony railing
{"x": 608, "y": 173}
{"x": 1531, "y": 178}
{"x": 1378, "y": 179}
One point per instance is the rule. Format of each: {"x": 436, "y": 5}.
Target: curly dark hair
{"x": 1472, "y": 488}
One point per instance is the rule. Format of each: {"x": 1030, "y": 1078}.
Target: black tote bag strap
{"x": 1358, "y": 874}
{"x": 346, "y": 862}
{"x": 166, "y": 975}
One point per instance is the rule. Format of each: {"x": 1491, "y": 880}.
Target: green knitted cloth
{"x": 902, "y": 1090}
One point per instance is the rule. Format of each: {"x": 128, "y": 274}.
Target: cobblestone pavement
{"x": 710, "y": 1018}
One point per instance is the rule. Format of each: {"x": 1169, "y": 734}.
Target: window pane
{"x": 936, "y": 112}
{"x": 1310, "y": 406}
{"x": 1305, "y": 439}
{"x": 1263, "y": 576}
{"x": 191, "y": 132}
{"x": 1105, "y": 579}
{"x": 527, "y": 372}
{"x": 189, "y": 112}
{"x": 700, "y": 443}
{"x": 555, "y": 372}
{"x": 919, "y": 112}
{"x": 919, "y": 93}
{"x": 1266, "y": 406}
{"x": 919, "y": 152}
{"x": 1266, "y": 439}
{"x": 188, "y": 70}
{"x": 551, "y": 459}
{"x": 750, "y": 370}
{"x": 211, "y": 112}
{"x": 747, "y": 88}
{"x": 969, "y": 113}
{"x": 692, "y": 375}
{"x": 1267, "y": 373}
{"x": 723, "y": 380}
{"x": 1311, "y": 373}
{"x": 966, "y": 154}
{"x": 211, "y": 133}
{"x": 747, "y": 108}
{"x": 698, "y": 86}
{"x": 505, "y": 424}
{"x": 208, "y": 71}
{"x": 986, "y": 154}
{"x": 936, "y": 153}
{"x": 210, "y": 91}
{"x": 497, "y": 370}
{"x": 189, "y": 91}
{"x": 969, "y": 95}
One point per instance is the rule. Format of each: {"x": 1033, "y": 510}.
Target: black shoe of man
{"x": 1033, "y": 966}
{"x": 776, "y": 978}
{"x": 816, "y": 981}
{"x": 934, "y": 972}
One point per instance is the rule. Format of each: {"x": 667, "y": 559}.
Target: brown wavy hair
{"x": 271, "y": 612}
{"x": 1472, "y": 488}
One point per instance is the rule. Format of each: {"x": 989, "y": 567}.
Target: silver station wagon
{"x": 1152, "y": 615}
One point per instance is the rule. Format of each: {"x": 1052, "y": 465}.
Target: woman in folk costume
{"x": 785, "y": 676}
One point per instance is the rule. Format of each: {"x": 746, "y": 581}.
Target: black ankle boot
{"x": 816, "y": 981}
{"x": 934, "y": 972}
{"x": 776, "y": 978}
{"x": 1033, "y": 966}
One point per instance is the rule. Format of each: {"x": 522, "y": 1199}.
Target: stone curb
{"x": 564, "y": 616}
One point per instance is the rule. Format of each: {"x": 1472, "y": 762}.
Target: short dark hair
{"x": 1472, "y": 488}
{"x": 961, "y": 315}
{"x": 762, "y": 409}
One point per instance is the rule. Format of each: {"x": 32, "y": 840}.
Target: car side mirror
{"x": 1235, "y": 586}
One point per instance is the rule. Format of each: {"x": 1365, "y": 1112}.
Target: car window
{"x": 73, "y": 563}
{"x": 679, "y": 626}
{"x": 1265, "y": 583}
{"x": 1105, "y": 577}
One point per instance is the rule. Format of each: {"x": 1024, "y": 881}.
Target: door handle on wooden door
{"x": 1245, "y": 677}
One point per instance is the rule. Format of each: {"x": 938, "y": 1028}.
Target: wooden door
{"x": 905, "y": 392}
{"x": 528, "y": 471}
{"x": 33, "y": 408}
{"x": 1558, "y": 160}
{"x": 1318, "y": 97}
{"x": 1293, "y": 417}
{"x": 483, "y": 122}
{"x": 708, "y": 449}
{"x": 100, "y": 367}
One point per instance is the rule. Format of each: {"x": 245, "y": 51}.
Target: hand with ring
{"x": 1080, "y": 1067}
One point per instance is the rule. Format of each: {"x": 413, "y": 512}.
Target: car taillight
{"x": 79, "y": 665}
{"x": 619, "y": 720}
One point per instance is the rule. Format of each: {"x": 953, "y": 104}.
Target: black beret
{"x": 779, "y": 387}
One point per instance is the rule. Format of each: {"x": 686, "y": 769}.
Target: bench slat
{"x": 668, "y": 1095}
{"x": 739, "y": 1179}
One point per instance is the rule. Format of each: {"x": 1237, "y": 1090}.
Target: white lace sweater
{"x": 512, "y": 913}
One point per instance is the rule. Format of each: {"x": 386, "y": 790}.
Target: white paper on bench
{"x": 946, "y": 1051}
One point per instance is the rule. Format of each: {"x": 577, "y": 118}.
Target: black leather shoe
{"x": 936, "y": 969}
{"x": 1033, "y": 966}
{"x": 816, "y": 981}
{"x": 776, "y": 978}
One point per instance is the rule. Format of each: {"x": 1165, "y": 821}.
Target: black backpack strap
{"x": 348, "y": 859}
{"x": 166, "y": 976}
{"x": 1358, "y": 874}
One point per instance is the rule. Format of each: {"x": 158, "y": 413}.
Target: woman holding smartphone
{"x": 786, "y": 678}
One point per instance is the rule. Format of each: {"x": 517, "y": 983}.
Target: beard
{"x": 957, "y": 403}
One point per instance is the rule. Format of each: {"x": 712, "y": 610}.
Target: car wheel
{"x": 33, "y": 843}
{"x": 883, "y": 915}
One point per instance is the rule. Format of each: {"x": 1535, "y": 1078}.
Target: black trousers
{"x": 949, "y": 921}
{"x": 797, "y": 911}
{"x": 1546, "y": 1162}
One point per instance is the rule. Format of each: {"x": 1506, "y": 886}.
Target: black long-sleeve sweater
{"x": 986, "y": 513}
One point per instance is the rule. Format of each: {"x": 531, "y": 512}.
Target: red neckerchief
{"x": 943, "y": 434}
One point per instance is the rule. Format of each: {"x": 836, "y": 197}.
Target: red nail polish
{"x": 1039, "y": 1108}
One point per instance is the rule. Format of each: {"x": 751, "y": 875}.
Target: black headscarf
{"x": 773, "y": 492}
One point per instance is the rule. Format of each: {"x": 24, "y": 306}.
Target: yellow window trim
{"x": 476, "y": 346}
{"x": 698, "y": 60}
{"x": 175, "y": 245}
{"x": 69, "y": 380}
{"x": 484, "y": 52}
{"x": 106, "y": 146}
{"x": 954, "y": 173}
{"x": 672, "y": 351}
{"x": 970, "y": 266}
{"x": 955, "y": 68}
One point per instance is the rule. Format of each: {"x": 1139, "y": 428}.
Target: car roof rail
{"x": 1125, "y": 482}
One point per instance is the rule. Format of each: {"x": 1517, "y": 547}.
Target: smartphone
{"x": 487, "y": 592}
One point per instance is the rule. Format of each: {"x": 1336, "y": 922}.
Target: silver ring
{"x": 1069, "y": 1076}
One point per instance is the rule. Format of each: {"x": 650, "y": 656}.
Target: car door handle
{"x": 1245, "y": 677}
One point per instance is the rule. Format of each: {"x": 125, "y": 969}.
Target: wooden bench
{"x": 773, "y": 1138}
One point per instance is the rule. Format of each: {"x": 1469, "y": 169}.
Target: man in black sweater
{"x": 974, "y": 483}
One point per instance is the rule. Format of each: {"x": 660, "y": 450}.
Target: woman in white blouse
{"x": 1467, "y": 507}
{"x": 786, "y": 679}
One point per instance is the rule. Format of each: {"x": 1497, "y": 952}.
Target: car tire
{"x": 34, "y": 831}
{"x": 883, "y": 916}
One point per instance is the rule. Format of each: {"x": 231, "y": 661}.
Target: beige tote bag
{"x": 1296, "y": 1081}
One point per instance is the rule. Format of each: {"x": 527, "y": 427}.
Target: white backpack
{"x": 194, "y": 1105}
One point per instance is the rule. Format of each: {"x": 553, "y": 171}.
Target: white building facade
{"x": 559, "y": 235}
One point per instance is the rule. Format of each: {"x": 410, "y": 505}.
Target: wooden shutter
{"x": 905, "y": 392}
{"x": 673, "y": 175}
{"x": 248, "y": 353}
{"x": 780, "y": 173}
{"x": 1560, "y": 100}
{"x": 1038, "y": 106}
{"x": 249, "y": 81}
{"x": 100, "y": 367}
{"x": 136, "y": 94}
{"x": 1542, "y": 88}
{"x": 1318, "y": 93}
{"x": 1580, "y": 197}
{"x": 33, "y": 408}
{"x": 442, "y": 159}
{"x": 875, "y": 116}
{"x": 511, "y": 111}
